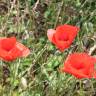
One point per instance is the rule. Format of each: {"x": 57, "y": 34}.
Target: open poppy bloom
{"x": 10, "y": 49}
{"x": 81, "y": 65}
{"x": 63, "y": 36}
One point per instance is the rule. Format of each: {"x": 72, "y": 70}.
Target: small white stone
{"x": 24, "y": 82}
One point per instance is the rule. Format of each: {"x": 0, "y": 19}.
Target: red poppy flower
{"x": 10, "y": 49}
{"x": 81, "y": 65}
{"x": 63, "y": 36}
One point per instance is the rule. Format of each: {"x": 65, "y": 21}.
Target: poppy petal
{"x": 15, "y": 53}
{"x": 3, "y": 53}
{"x": 50, "y": 34}
{"x": 25, "y": 51}
{"x": 8, "y": 43}
{"x": 61, "y": 44}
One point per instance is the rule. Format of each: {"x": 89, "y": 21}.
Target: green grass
{"x": 40, "y": 70}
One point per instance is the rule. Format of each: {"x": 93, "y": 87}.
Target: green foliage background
{"x": 38, "y": 74}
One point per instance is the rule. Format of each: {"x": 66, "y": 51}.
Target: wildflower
{"x": 10, "y": 49}
{"x": 63, "y": 36}
{"x": 81, "y": 65}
